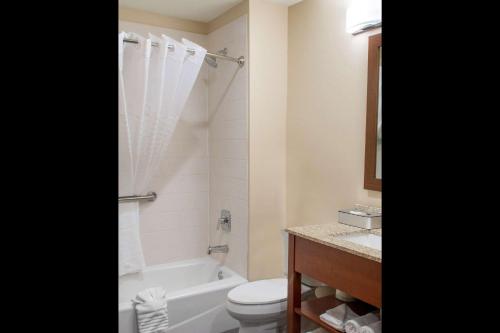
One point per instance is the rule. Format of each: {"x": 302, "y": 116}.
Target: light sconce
{"x": 363, "y": 15}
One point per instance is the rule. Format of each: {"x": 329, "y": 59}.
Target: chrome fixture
{"x": 220, "y": 275}
{"x": 212, "y": 61}
{"x": 218, "y": 249}
{"x": 224, "y": 221}
{"x": 240, "y": 60}
{"x": 223, "y": 51}
{"x": 151, "y": 196}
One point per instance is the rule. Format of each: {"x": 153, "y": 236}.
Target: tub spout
{"x": 218, "y": 249}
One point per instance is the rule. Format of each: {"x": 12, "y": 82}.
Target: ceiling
{"x": 196, "y": 10}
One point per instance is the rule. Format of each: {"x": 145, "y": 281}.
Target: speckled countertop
{"x": 326, "y": 234}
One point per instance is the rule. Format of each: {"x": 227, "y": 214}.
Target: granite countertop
{"x": 326, "y": 234}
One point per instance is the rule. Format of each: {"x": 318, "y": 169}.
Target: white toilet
{"x": 261, "y": 306}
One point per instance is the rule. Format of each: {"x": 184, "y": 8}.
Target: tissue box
{"x": 360, "y": 219}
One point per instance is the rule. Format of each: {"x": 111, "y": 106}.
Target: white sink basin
{"x": 368, "y": 240}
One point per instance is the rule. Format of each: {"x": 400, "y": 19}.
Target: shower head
{"x": 212, "y": 61}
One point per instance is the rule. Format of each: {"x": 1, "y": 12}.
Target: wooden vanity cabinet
{"x": 353, "y": 274}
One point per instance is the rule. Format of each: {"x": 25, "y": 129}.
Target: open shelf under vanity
{"x": 354, "y": 273}
{"x": 312, "y": 309}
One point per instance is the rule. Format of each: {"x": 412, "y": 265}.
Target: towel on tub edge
{"x": 151, "y": 310}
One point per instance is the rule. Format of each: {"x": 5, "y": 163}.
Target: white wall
{"x": 228, "y": 132}
{"x": 175, "y": 226}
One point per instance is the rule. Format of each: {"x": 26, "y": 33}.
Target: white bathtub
{"x": 196, "y": 296}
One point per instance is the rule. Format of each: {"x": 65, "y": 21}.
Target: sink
{"x": 368, "y": 240}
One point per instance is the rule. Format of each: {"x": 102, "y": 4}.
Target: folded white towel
{"x": 338, "y": 316}
{"x": 354, "y": 325}
{"x": 151, "y": 310}
{"x": 372, "y": 328}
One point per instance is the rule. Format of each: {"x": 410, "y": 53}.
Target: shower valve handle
{"x": 224, "y": 221}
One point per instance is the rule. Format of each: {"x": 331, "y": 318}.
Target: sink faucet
{"x": 218, "y": 249}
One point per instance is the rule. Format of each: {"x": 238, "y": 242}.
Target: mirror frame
{"x": 371, "y": 182}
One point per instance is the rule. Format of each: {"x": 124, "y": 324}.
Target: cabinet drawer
{"x": 355, "y": 275}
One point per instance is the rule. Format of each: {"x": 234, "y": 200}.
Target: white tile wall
{"x": 228, "y": 143}
{"x": 206, "y": 168}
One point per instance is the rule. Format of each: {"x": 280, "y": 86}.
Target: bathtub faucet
{"x": 218, "y": 249}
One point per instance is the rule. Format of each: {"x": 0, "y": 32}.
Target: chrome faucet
{"x": 218, "y": 249}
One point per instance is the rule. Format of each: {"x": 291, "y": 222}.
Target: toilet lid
{"x": 260, "y": 292}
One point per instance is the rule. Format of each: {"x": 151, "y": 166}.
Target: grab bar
{"x": 150, "y": 196}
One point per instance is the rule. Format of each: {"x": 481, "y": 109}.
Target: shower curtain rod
{"x": 239, "y": 60}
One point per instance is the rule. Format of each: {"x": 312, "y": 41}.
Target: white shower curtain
{"x": 154, "y": 85}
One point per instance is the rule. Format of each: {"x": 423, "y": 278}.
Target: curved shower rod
{"x": 240, "y": 60}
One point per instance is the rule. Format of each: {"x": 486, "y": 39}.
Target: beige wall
{"x": 267, "y": 137}
{"x": 144, "y": 17}
{"x": 327, "y": 73}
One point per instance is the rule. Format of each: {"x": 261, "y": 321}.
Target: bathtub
{"x": 197, "y": 291}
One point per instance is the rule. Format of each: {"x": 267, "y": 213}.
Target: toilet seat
{"x": 263, "y": 297}
{"x": 256, "y": 310}
{"x": 259, "y": 292}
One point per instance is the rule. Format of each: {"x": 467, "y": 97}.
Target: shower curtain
{"x": 154, "y": 84}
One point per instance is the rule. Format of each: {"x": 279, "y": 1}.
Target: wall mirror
{"x": 373, "y": 143}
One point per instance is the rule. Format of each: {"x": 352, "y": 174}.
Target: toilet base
{"x": 264, "y": 315}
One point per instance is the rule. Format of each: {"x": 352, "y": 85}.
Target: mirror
{"x": 373, "y": 143}
{"x": 378, "y": 164}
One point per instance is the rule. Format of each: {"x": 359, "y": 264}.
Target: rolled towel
{"x": 338, "y": 316}
{"x": 375, "y": 327}
{"x": 151, "y": 310}
{"x": 354, "y": 325}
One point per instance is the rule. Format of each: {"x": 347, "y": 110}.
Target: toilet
{"x": 261, "y": 306}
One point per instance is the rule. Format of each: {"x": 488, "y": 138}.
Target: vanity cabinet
{"x": 356, "y": 275}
